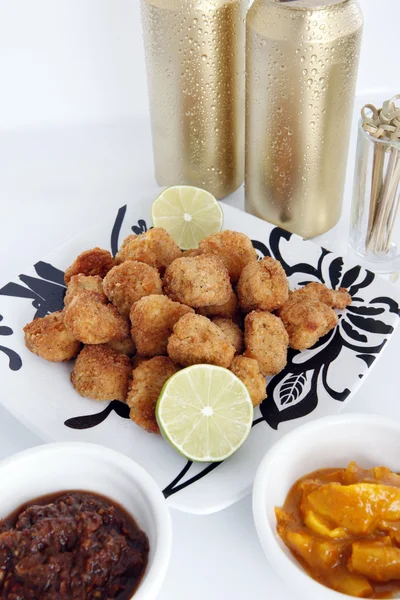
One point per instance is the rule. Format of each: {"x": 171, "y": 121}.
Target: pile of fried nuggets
{"x": 155, "y": 309}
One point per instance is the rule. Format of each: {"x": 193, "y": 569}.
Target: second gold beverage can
{"x": 195, "y": 55}
{"x": 302, "y": 63}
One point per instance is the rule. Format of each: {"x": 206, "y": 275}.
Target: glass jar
{"x": 375, "y": 219}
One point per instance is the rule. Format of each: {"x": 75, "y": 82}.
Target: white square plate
{"x": 315, "y": 383}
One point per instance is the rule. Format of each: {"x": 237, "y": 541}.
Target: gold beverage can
{"x": 195, "y": 57}
{"x": 302, "y": 64}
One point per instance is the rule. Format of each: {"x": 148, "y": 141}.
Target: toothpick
{"x": 383, "y": 125}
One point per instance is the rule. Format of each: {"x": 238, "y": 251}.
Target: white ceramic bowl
{"x": 76, "y": 466}
{"x": 329, "y": 442}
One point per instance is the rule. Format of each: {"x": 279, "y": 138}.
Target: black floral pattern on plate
{"x": 46, "y": 291}
{"x": 14, "y": 359}
{"x": 294, "y": 393}
{"x": 89, "y": 421}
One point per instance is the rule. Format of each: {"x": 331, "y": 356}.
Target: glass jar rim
{"x": 374, "y": 140}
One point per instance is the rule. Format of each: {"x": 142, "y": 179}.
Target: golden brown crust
{"x": 148, "y": 380}
{"x": 155, "y": 248}
{"x": 91, "y": 262}
{"x": 233, "y": 248}
{"x": 121, "y": 255}
{"x": 248, "y": 370}
{"x": 306, "y": 319}
{"x": 138, "y": 360}
{"x": 340, "y": 299}
{"x": 153, "y": 318}
{"x": 79, "y": 283}
{"x": 92, "y": 322}
{"x": 198, "y": 281}
{"x": 48, "y": 338}
{"x": 197, "y": 340}
{"x": 263, "y": 285}
{"x": 228, "y": 310}
{"x": 191, "y": 253}
{"x": 266, "y": 341}
{"x": 231, "y": 331}
{"x": 101, "y": 373}
{"x": 126, "y": 283}
{"x": 124, "y": 346}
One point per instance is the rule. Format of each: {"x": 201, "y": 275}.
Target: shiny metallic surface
{"x": 302, "y": 63}
{"x": 195, "y": 55}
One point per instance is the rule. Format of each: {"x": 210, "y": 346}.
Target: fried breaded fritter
{"x": 91, "y": 283}
{"x": 248, "y": 370}
{"x": 266, "y": 341}
{"x": 263, "y": 285}
{"x": 91, "y": 262}
{"x": 155, "y": 248}
{"x": 306, "y": 319}
{"x": 233, "y": 248}
{"x": 126, "y": 283}
{"x": 340, "y": 299}
{"x": 138, "y": 360}
{"x": 196, "y": 340}
{"x": 198, "y": 281}
{"x": 153, "y": 318}
{"x": 120, "y": 256}
{"x": 48, "y": 338}
{"x": 148, "y": 380}
{"x": 124, "y": 346}
{"x": 92, "y": 322}
{"x": 101, "y": 373}
{"x": 191, "y": 253}
{"x": 231, "y": 331}
{"x": 228, "y": 310}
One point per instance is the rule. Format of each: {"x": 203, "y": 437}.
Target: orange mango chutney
{"x": 343, "y": 527}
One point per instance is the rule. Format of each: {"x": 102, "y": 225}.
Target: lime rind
{"x": 189, "y": 214}
{"x": 182, "y": 407}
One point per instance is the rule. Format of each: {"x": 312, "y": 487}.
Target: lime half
{"x": 205, "y": 412}
{"x": 189, "y": 214}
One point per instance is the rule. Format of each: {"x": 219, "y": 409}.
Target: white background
{"x": 75, "y": 141}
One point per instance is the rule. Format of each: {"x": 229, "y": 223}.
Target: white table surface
{"x": 53, "y": 184}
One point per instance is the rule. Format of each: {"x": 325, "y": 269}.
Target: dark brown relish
{"x": 71, "y": 545}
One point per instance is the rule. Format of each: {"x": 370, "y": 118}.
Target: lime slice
{"x": 189, "y": 214}
{"x": 205, "y": 412}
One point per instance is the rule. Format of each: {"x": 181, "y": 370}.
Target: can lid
{"x": 308, "y": 4}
